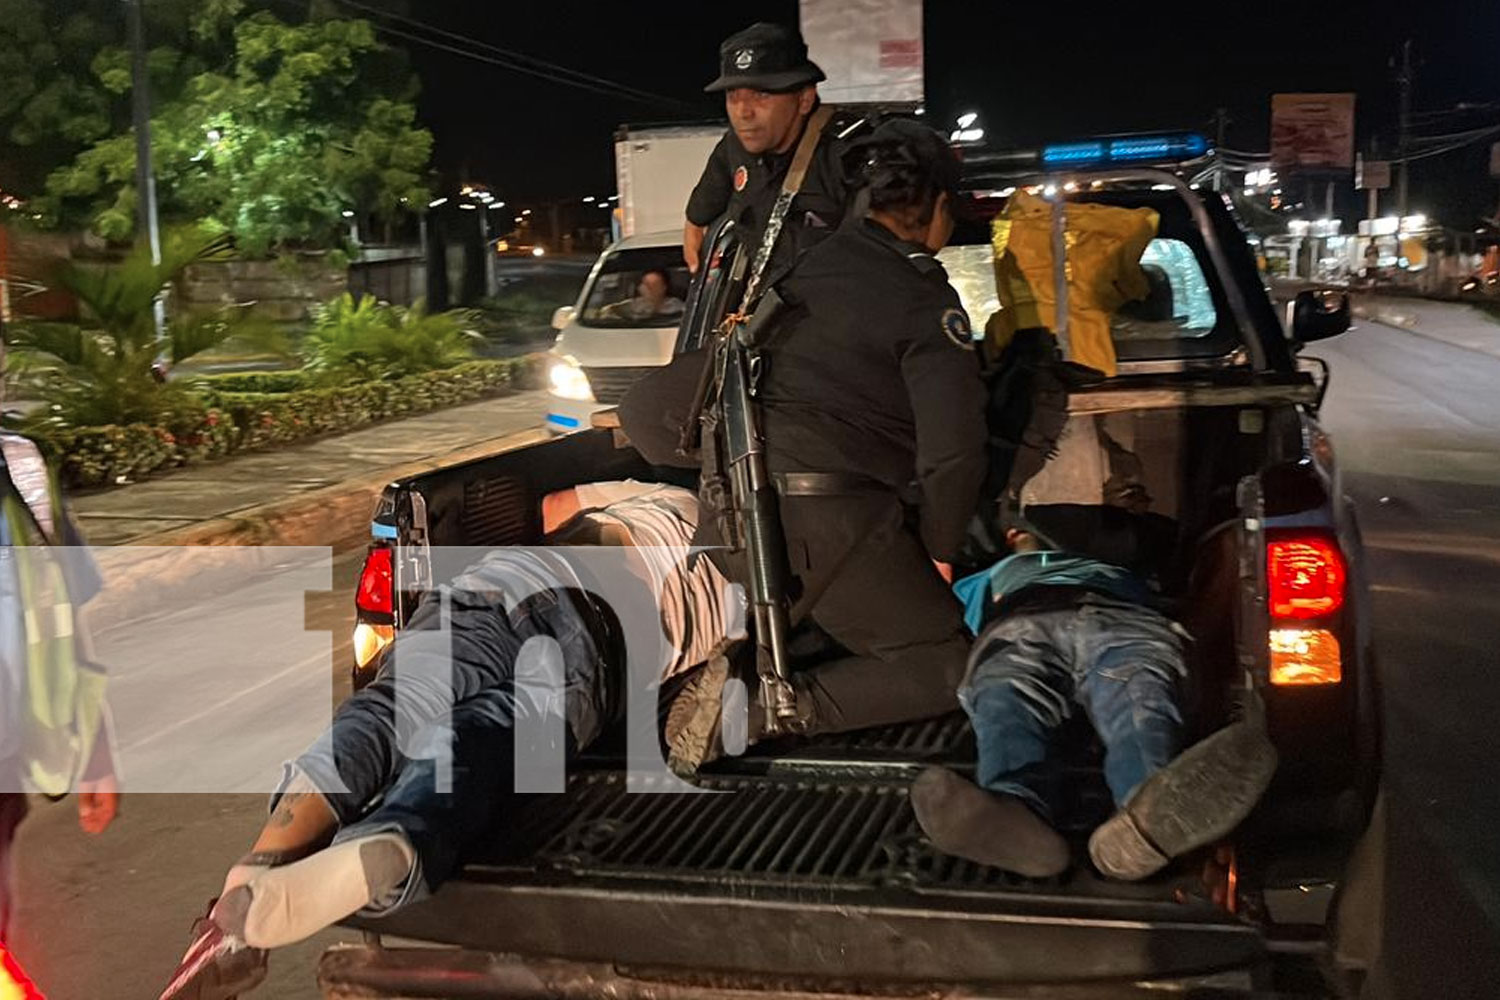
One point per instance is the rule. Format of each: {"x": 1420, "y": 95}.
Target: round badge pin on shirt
{"x": 956, "y": 325}
{"x": 741, "y": 178}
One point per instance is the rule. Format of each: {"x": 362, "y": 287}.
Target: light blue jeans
{"x": 1120, "y": 663}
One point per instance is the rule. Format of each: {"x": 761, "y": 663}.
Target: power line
{"x": 517, "y": 61}
{"x": 1480, "y": 132}
{"x": 1479, "y": 136}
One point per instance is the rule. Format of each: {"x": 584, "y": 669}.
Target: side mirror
{"x": 1318, "y": 315}
{"x": 563, "y": 317}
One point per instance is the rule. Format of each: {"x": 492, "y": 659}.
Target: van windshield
{"x": 638, "y": 289}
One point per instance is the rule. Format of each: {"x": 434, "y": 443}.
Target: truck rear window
{"x": 1171, "y": 322}
{"x": 638, "y": 289}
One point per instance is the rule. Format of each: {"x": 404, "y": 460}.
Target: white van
{"x": 624, "y": 325}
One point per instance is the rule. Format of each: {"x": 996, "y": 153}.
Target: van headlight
{"x": 569, "y": 381}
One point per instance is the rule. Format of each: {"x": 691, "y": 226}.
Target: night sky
{"x": 1035, "y": 72}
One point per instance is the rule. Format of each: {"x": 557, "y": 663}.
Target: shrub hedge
{"x": 288, "y": 381}
{"x": 232, "y": 419}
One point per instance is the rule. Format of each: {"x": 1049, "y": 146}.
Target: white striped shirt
{"x": 701, "y": 610}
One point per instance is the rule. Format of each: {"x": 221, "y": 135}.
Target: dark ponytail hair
{"x": 903, "y": 167}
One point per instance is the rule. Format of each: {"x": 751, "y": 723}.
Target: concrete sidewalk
{"x": 1455, "y": 323}
{"x": 237, "y": 500}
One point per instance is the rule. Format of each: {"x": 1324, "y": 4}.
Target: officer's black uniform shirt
{"x": 875, "y": 374}
{"x": 744, "y": 186}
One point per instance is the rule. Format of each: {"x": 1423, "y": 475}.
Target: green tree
{"x": 67, "y": 74}
{"x": 265, "y": 129}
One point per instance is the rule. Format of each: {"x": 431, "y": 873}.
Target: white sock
{"x": 295, "y": 901}
{"x": 241, "y": 874}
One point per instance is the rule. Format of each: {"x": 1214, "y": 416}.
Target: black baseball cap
{"x": 769, "y": 57}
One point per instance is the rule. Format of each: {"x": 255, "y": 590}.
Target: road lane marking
{"x": 224, "y": 703}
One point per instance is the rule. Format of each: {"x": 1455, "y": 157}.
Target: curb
{"x": 1393, "y": 316}
{"x": 225, "y": 549}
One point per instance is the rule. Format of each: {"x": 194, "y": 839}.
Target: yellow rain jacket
{"x": 1103, "y": 247}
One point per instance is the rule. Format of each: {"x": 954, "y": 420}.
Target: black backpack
{"x": 1028, "y": 407}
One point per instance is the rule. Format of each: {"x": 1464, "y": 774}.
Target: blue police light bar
{"x": 561, "y": 420}
{"x": 1125, "y": 149}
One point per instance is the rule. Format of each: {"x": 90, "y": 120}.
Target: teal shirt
{"x": 1025, "y": 570}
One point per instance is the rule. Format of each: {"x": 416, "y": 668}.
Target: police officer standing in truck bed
{"x": 873, "y": 413}
{"x": 770, "y": 90}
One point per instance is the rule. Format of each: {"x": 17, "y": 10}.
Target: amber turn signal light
{"x": 1304, "y": 656}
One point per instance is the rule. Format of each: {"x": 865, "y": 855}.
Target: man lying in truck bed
{"x": 324, "y": 854}
{"x": 1061, "y": 628}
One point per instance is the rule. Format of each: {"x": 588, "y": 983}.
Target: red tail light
{"x": 376, "y": 592}
{"x": 1306, "y": 575}
{"x": 14, "y": 984}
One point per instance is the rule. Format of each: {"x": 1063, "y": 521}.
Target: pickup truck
{"x": 813, "y": 879}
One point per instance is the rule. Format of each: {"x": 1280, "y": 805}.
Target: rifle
{"x": 756, "y": 505}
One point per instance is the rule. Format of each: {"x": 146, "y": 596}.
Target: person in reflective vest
{"x": 53, "y": 726}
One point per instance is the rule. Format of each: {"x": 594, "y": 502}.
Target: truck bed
{"x": 814, "y": 867}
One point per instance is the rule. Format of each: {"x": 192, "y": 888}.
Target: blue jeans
{"x": 1121, "y": 663}
{"x": 441, "y": 825}
{"x": 428, "y": 749}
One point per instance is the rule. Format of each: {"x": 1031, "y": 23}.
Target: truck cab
{"x": 810, "y": 876}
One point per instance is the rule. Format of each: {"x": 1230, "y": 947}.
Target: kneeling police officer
{"x": 873, "y": 413}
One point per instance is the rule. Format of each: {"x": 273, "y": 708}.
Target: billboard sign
{"x": 870, "y": 49}
{"x": 1372, "y": 175}
{"x": 1312, "y": 131}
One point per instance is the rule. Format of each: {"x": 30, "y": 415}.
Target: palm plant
{"x": 366, "y": 339}
{"x": 104, "y": 369}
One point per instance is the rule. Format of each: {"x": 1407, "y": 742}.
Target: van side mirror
{"x": 1319, "y": 314}
{"x": 563, "y": 317}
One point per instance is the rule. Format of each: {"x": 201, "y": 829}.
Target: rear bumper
{"x": 367, "y": 973}
{"x": 887, "y": 937}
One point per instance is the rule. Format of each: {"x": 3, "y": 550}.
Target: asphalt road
{"x": 1417, "y": 426}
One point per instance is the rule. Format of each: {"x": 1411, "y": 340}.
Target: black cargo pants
{"x": 866, "y": 579}
{"x": 12, "y": 812}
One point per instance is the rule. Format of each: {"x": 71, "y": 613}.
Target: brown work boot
{"x": 964, "y": 820}
{"x": 1199, "y": 798}
{"x": 694, "y": 727}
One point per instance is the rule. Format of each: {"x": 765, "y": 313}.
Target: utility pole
{"x": 1221, "y": 127}
{"x": 145, "y": 180}
{"x": 1404, "y": 78}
